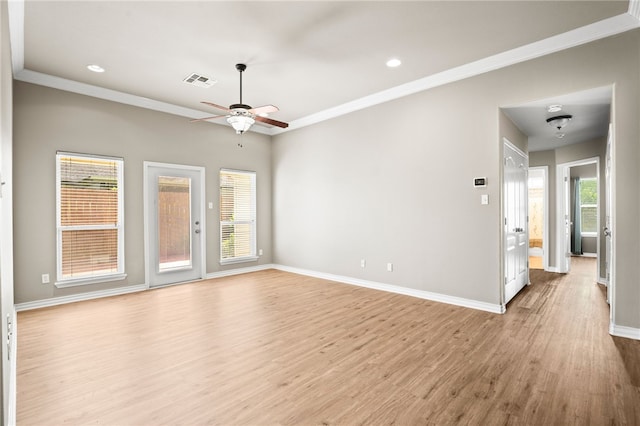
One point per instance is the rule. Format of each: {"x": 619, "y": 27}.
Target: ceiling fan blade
{"x": 265, "y": 109}
{"x": 211, "y": 104}
{"x": 272, "y": 122}
{"x": 206, "y": 118}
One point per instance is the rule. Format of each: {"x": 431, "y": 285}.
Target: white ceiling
{"x": 314, "y": 60}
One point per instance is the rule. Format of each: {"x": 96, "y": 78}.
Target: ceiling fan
{"x": 242, "y": 116}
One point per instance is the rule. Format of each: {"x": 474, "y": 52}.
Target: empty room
{"x": 323, "y": 212}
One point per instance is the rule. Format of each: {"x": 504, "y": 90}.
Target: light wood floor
{"x": 277, "y": 348}
{"x": 535, "y": 262}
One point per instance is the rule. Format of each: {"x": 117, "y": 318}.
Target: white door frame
{"x": 545, "y": 231}
{"x": 202, "y": 213}
{"x": 562, "y": 197}
{"x": 610, "y": 204}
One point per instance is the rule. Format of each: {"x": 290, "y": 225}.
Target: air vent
{"x": 199, "y": 80}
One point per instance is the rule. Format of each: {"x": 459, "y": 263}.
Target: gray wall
{"x": 47, "y": 120}
{"x": 392, "y": 183}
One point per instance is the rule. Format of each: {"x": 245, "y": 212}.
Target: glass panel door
{"x": 174, "y": 230}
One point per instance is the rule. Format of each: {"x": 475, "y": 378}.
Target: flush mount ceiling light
{"x": 394, "y": 62}
{"x": 559, "y": 121}
{"x": 554, "y": 108}
{"x": 95, "y": 68}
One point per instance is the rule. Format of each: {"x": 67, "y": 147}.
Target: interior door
{"x": 608, "y": 231}
{"x": 175, "y": 227}
{"x": 566, "y": 208}
{"x": 516, "y": 259}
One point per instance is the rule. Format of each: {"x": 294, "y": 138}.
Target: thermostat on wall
{"x": 480, "y": 182}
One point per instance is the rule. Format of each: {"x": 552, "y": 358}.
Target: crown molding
{"x": 592, "y": 32}
{"x": 16, "y": 34}
{"x": 634, "y": 8}
{"x": 586, "y": 34}
{"x": 48, "y": 80}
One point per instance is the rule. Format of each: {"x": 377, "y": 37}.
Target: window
{"x": 237, "y": 216}
{"x": 89, "y": 219}
{"x": 589, "y": 206}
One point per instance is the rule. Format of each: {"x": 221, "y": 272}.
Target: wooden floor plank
{"x": 277, "y": 348}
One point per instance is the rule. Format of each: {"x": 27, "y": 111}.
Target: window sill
{"x": 239, "y": 260}
{"x": 589, "y": 234}
{"x": 92, "y": 280}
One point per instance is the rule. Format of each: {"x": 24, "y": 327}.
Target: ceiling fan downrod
{"x": 240, "y": 68}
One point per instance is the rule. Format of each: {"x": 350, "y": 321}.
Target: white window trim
{"x": 253, "y": 257}
{"x": 115, "y": 276}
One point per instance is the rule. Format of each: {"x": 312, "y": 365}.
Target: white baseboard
{"x": 239, "y": 271}
{"x": 53, "y": 301}
{"x": 622, "y": 331}
{"x": 589, "y": 254}
{"x": 427, "y": 295}
{"x": 553, "y": 269}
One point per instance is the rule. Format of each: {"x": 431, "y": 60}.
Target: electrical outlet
{"x": 45, "y": 278}
{"x": 390, "y": 267}
{"x": 363, "y": 263}
{"x": 260, "y": 252}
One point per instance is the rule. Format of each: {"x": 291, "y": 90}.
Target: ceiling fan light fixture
{"x": 240, "y": 123}
{"x": 559, "y": 121}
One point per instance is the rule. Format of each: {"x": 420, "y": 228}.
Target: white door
{"x": 516, "y": 260}
{"x": 174, "y": 223}
{"x": 608, "y": 231}
{"x": 567, "y": 218}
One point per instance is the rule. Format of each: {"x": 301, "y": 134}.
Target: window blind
{"x": 589, "y": 205}
{"x": 89, "y": 192}
{"x": 237, "y": 215}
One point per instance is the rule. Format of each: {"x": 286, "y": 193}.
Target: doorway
{"x": 579, "y": 212}
{"x": 174, "y": 225}
{"x": 538, "y": 200}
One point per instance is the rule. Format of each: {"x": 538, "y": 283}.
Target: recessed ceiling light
{"x": 554, "y": 108}
{"x": 95, "y": 68}
{"x": 394, "y": 62}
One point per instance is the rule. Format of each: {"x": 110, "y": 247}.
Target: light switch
{"x": 210, "y": 205}
{"x": 484, "y": 199}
